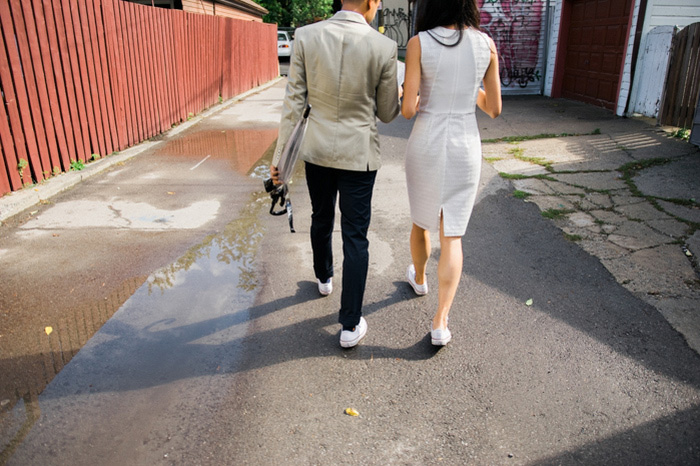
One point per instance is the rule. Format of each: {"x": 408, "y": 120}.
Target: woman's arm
{"x": 411, "y": 83}
{"x": 489, "y": 98}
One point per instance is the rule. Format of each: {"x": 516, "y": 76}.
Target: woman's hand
{"x": 411, "y": 84}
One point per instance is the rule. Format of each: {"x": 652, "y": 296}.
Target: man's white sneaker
{"x": 348, "y": 338}
{"x": 411, "y": 276}
{"x": 325, "y": 288}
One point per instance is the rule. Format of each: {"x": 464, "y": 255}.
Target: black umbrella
{"x": 280, "y": 193}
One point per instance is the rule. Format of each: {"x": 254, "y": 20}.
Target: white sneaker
{"x": 325, "y": 288}
{"x": 440, "y": 336}
{"x": 411, "y": 276}
{"x": 348, "y": 338}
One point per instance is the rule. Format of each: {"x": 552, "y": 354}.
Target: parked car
{"x": 284, "y": 44}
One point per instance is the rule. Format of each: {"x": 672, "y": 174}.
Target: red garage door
{"x": 595, "y": 48}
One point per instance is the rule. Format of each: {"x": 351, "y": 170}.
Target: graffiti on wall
{"x": 515, "y": 26}
{"x": 396, "y": 25}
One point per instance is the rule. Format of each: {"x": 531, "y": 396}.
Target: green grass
{"x": 555, "y": 214}
{"x": 520, "y": 194}
{"x": 682, "y": 133}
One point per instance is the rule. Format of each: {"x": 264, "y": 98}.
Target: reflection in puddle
{"x": 242, "y": 147}
{"x": 237, "y": 244}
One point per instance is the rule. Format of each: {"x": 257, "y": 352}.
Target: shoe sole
{"x": 419, "y": 293}
{"x": 440, "y": 342}
{"x": 350, "y": 344}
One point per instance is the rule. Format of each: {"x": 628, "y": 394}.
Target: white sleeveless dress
{"x": 443, "y": 158}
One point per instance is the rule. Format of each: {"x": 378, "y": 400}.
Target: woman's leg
{"x": 449, "y": 274}
{"x": 420, "y": 251}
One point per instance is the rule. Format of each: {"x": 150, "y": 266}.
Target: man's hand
{"x": 274, "y": 174}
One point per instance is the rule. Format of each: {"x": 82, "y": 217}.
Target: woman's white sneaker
{"x": 440, "y": 336}
{"x": 420, "y": 290}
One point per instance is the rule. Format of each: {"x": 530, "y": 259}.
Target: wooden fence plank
{"x": 60, "y": 75}
{"x": 87, "y": 13}
{"x": 131, "y": 109}
{"x": 13, "y": 140}
{"x": 7, "y": 147}
{"x": 145, "y": 67}
{"x": 59, "y": 159}
{"x": 115, "y": 60}
{"x": 154, "y": 73}
{"x": 25, "y": 89}
{"x": 181, "y": 46}
{"x": 170, "y": 67}
{"x": 138, "y": 84}
{"x": 160, "y": 28}
{"x": 158, "y": 68}
{"x": 137, "y": 128}
{"x": 48, "y": 159}
{"x": 74, "y": 29}
{"x": 683, "y": 79}
{"x": 103, "y": 76}
{"x": 76, "y": 106}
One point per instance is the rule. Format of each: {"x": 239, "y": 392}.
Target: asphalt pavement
{"x": 186, "y": 328}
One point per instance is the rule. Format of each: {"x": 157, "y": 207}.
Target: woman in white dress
{"x": 446, "y": 64}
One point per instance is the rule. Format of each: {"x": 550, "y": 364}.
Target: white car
{"x": 284, "y": 44}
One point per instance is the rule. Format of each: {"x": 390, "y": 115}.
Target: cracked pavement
{"x": 628, "y": 196}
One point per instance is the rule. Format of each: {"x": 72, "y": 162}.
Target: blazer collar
{"x": 344, "y": 15}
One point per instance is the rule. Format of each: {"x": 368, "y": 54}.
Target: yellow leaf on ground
{"x": 351, "y": 412}
{"x": 48, "y": 330}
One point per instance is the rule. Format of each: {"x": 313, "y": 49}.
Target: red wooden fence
{"x": 84, "y": 77}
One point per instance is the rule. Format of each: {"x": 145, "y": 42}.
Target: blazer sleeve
{"x": 294, "y": 98}
{"x": 388, "y": 91}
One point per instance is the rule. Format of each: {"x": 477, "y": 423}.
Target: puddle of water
{"x": 203, "y": 301}
{"x": 241, "y": 147}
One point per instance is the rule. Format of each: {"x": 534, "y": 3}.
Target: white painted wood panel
{"x": 651, "y": 71}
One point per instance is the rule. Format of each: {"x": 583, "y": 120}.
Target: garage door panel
{"x": 602, "y": 10}
{"x": 614, "y": 35}
{"x": 595, "y": 50}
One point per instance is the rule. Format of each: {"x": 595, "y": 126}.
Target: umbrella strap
{"x": 278, "y": 196}
{"x": 290, "y": 217}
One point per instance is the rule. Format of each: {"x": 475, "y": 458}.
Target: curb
{"x": 19, "y": 201}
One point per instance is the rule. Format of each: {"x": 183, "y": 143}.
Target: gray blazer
{"x": 347, "y": 71}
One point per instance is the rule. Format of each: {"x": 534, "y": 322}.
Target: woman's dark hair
{"x": 434, "y": 13}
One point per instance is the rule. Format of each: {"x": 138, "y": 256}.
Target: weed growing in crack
{"x": 556, "y": 214}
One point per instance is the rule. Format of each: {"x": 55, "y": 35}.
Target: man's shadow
{"x": 128, "y": 358}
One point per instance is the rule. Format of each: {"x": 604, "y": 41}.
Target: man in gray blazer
{"x": 347, "y": 72}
